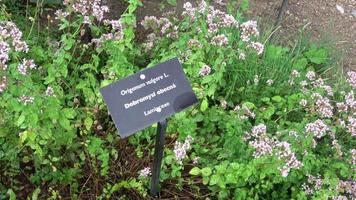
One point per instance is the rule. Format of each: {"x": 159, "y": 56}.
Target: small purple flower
{"x": 259, "y": 47}
{"x": 26, "y": 99}
{"x": 49, "y": 91}
{"x": 352, "y": 79}
{"x": 181, "y": 149}
{"x": 204, "y": 70}
{"x": 3, "y": 84}
{"x": 145, "y": 172}
{"x": 219, "y": 40}
{"x": 248, "y": 30}
{"x": 269, "y": 82}
{"x": 25, "y": 65}
{"x": 303, "y": 102}
{"x": 310, "y": 75}
{"x": 318, "y": 128}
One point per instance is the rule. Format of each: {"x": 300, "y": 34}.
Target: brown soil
{"x": 320, "y": 17}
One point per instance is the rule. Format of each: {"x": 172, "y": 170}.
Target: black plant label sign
{"x": 149, "y": 96}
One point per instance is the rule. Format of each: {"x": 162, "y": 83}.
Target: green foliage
{"x": 66, "y": 141}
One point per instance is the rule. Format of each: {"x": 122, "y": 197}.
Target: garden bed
{"x": 274, "y": 120}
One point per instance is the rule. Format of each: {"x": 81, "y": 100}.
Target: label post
{"x": 158, "y": 155}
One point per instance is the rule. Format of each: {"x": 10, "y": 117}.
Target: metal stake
{"x": 161, "y": 131}
{"x": 281, "y": 12}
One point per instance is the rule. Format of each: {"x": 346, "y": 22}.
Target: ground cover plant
{"x": 271, "y": 122}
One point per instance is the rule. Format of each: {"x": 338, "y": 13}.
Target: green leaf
{"x": 267, "y": 114}
{"x": 204, "y": 105}
{"x": 65, "y": 123}
{"x": 12, "y": 195}
{"x": 317, "y": 55}
{"x": 21, "y": 119}
{"x": 36, "y": 193}
{"x": 206, "y": 171}
{"x": 195, "y": 171}
{"x": 277, "y": 99}
{"x": 214, "y": 179}
{"x": 88, "y": 122}
{"x": 265, "y": 99}
{"x": 69, "y": 113}
{"x": 172, "y": 2}
{"x": 301, "y": 63}
{"x": 249, "y": 105}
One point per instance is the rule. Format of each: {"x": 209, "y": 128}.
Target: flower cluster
{"x": 314, "y": 183}
{"x": 223, "y": 104}
{"x": 10, "y": 39}
{"x": 218, "y": 19}
{"x": 242, "y": 56}
{"x": 149, "y": 44}
{"x": 88, "y": 8}
{"x": 351, "y": 127}
{"x": 60, "y": 14}
{"x": 269, "y": 82}
{"x": 26, "y": 99}
{"x": 249, "y": 30}
{"x": 352, "y": 79}
{"x": 350, "y": 100}
{"x": 244, "y": 112}
{"x": 335, "y": 144}
{"x": 116, "y": 33}
{"x": 204, "y": 70}
{"x": 344, "y": 189}
{"x": 219, "y": 40}
{"x": 284, "y": 153}
{"x": 259, "y": 47}
{"x": 353, "y": 156}
{"x": 310, "y": 75}
{"x": 347, "y": 187}
{"x": 180, "y": 149}
{"x": 322, "y": 105}
{"x": 145, "y": 172}
{"x": 50, "y": 91}
{"x": 193, "y": 43}
{"x": 189, "y": 10}
{"x": 318, "y": 128}
{"x": 264, "y": 146}
{"x": 10, "y": 33}
{"x": 150, "y": 22}
{"x": 163, "y": 24}
{"x": 3, "y": 84}
{"x": 303, "y": 102}
{"x": 25, "y": 65}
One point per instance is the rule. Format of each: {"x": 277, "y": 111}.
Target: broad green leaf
{"x": 267, "y": 114}
{"x": 277, "y": 99}
{"x": 21, "y": 119}
{"x": 65, "y": 123}
{"x": 12, "y": 195}
{"x": 69, "y": 113}
{"x": 88, "y": 122}
{"x": 214, "y": 179}
{"x": 249, "y": 105}
{"x": 206, "y": 171}
{"x": 317, "y": 55}
{"x": 301, "y": 64}
{"x": 204, "y": 105}
{"x": 194, "y": 171}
